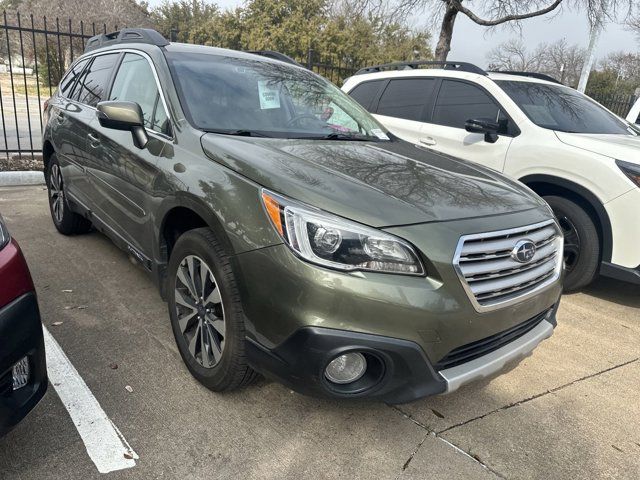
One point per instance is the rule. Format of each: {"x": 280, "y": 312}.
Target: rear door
{"x": 458, "y": 101}
{"x": 124, "y": 175}
{"x": 366, "y": 93}
{"x": 404, "y": 105}
{"x": 64, "y": 117}
{"x": 81, "y": 111}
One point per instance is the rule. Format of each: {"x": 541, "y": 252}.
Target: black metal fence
{"x": 618, "y": 104}
{"x": 34, "y": 54}
{"x": 333, "y": 68}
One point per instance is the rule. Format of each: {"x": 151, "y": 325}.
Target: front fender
{"x": 221, "y": 202}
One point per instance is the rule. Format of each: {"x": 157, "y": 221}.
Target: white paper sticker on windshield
{"x": 269, "y": 96}
{"x": 380, "y": 134}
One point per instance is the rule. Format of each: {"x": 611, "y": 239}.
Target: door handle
{"x": 93, "y": 140}
{"x": 429, "y": 141}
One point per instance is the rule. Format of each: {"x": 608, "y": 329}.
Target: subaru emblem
{"x": 524, "y": 251}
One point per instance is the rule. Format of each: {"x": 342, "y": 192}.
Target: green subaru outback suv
{"x": 289, "y": 232}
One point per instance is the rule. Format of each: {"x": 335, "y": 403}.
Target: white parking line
{"x": 104, "y": 443}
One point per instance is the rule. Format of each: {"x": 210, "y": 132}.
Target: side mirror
{"x": 124, "y": 116}
{"x": 489, "y": 128}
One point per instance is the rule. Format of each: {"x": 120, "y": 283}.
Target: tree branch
{"x": 508, "y": 18}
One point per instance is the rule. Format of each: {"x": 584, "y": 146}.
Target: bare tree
{"x": 514, "y": 56}
{"x": 625, "y": 65}
{"x": 558, "y": 59}
{"x": 491, "y": 13}
{"x": 562, "y": 61}
{"x": 634, "y": 21}
{"x": 488, "y": 13}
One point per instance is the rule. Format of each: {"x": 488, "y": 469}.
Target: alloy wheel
{"x": 56, "y": 193}
{"x": 199, "y": 311}
{"x": 571, "y": 243}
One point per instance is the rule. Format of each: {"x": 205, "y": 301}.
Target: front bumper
{"x": 406, "y": 374}
{"x": 299, "y": 316}
{"x": 20, "y": 336}
{"x": 493, "y": 362}
{"x": 625, "y": 231}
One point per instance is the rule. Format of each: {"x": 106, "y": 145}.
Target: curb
{"x": 11, "y": 179}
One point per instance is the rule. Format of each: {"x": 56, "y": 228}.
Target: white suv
{"x": 583, "y": 159}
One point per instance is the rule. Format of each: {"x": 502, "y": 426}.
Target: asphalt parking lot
{"x": 569, "y": 411}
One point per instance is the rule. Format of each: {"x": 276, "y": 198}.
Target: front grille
{"x": 468, "y": 352}
{"x": 493, "y": 279}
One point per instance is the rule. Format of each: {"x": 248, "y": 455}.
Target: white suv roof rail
{"x": 539, "y": 76}
{"x": 460, "y": 66}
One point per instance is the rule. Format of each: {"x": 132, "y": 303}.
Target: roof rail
{"x": 126, "y": 35}
{"x": 460, "y": 66}
{"x": 539, "y": 76}
{"x": 275, "y": 55}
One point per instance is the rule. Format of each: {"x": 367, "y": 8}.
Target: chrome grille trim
{"x": 493, "y": 280}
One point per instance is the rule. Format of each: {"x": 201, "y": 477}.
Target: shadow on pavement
{"x": 615, "y": 291}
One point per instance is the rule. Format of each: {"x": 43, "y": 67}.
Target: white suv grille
{"x": 493, "y": 278}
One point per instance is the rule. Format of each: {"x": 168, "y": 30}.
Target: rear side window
{"x": 458, "y": 102}
{"x": 67, "y": 83}
{"x": 93, "y": 82}
{"x": 406, "y": 98}
{"x": 135, "y": 82}
{"x": 366, "y": 92}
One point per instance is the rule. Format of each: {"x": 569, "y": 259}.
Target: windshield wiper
{"x": 345, "y": 136}
{"x": 237, "y": 133}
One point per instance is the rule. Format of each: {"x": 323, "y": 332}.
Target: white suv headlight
{"x": 334, "y": 242}
{"x": 631, "y": 170}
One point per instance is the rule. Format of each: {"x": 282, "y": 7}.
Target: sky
{"x": 471, "y": 42}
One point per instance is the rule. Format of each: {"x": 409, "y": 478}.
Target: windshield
{"x": 243, "y": 96}
{"x": 563, "y": 109}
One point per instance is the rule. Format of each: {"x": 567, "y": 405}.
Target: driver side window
{"x": 458, "y": 102}
{"x": 135, "y": 82}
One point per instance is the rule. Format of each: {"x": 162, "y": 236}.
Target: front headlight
{"x": 335, "y": 242}
{"x": 631, "y": 170}
{"x": 4, "y": 234}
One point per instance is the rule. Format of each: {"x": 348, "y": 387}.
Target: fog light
{"x": 20, "y": 373}
{"x": 346, "y": 368}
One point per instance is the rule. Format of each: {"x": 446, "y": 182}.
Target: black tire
{"x": 230, "y": 370}
{"x": 65, "y": 220}
{"x": 582, "y": 242}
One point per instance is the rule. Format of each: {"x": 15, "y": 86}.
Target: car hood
{"x": 376, "y": 183}
{"x": 620, "y": 147}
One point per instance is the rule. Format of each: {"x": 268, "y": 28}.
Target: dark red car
{"x": 23, "y": 372}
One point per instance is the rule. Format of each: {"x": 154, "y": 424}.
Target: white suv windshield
{"x": 563, "y": 109}
{"x": 246, "y": 96}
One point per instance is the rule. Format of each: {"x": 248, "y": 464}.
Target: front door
{"x": 457, "y": 102}
{"x": 124, "y": 175}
